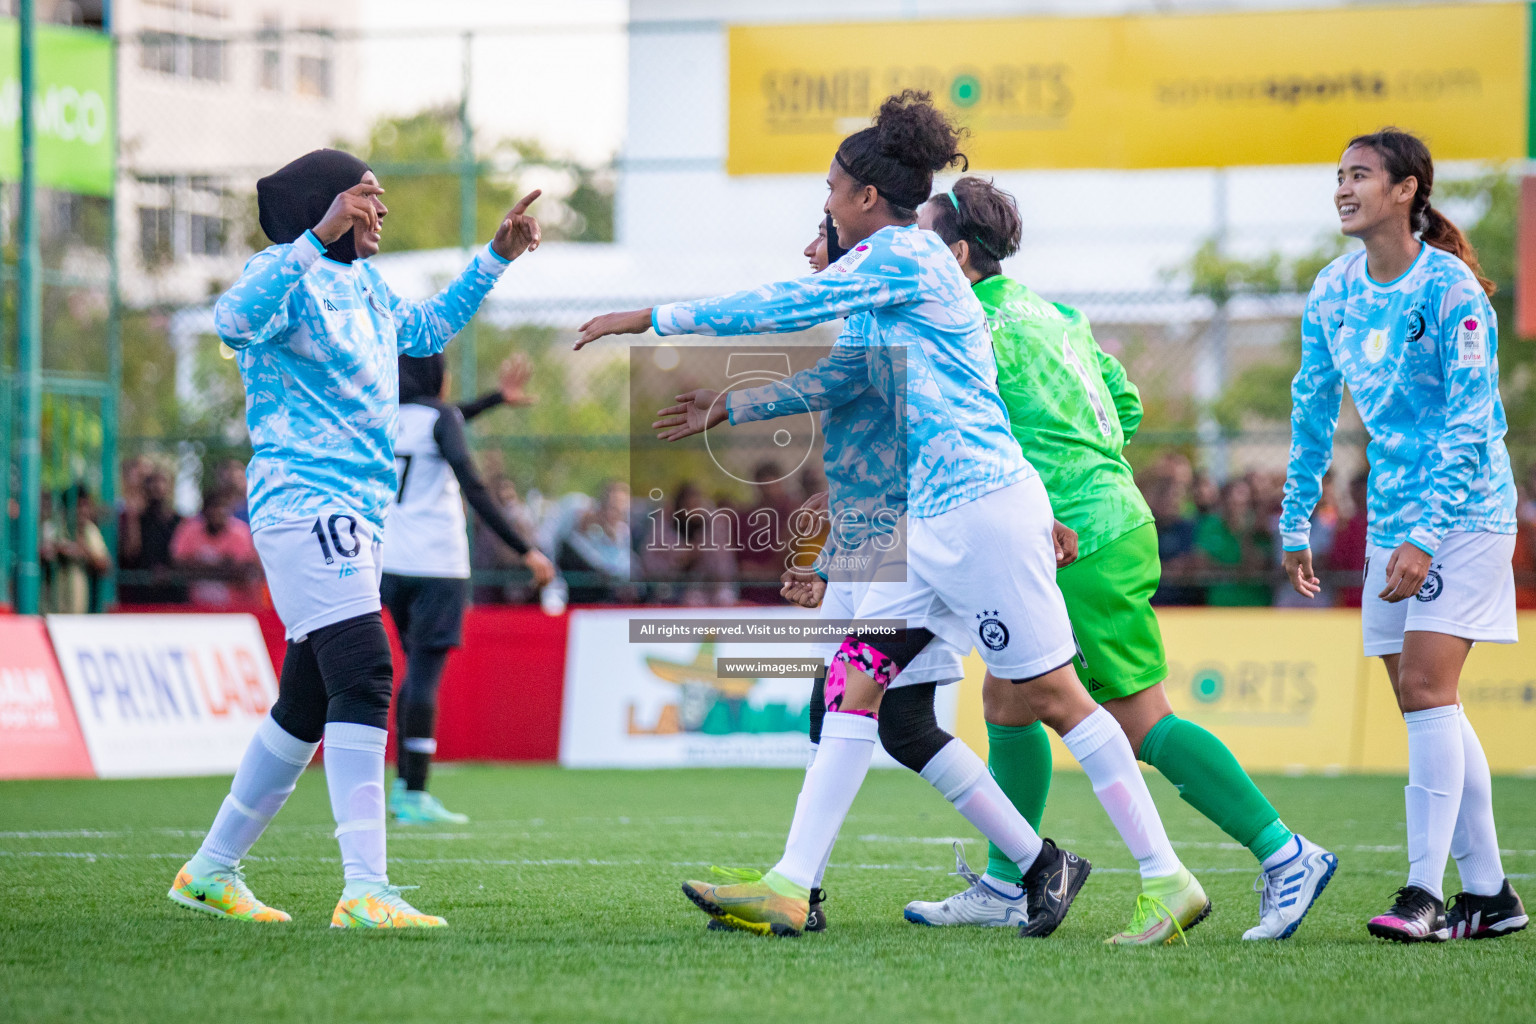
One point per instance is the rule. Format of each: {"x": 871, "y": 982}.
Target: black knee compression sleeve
{"x": 909, "y": 732}
{"x": 301, "y": 701}
{"x": 818, "y": 707}
{"x": 354, "y": 662}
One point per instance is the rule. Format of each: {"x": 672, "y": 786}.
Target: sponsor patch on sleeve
{"x": 1471, "y": 342}
{"x": 851, "y": 259}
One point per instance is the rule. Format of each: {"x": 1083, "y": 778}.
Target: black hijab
{"x": 292, "y": 200}
{"x": 421, "y": 377}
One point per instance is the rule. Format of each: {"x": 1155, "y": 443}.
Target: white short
{"x": 984, "y": 574}
{"x": 940, "y": 662}
{"x": 321, "y": 570}
{"x": 1469, "y": 592}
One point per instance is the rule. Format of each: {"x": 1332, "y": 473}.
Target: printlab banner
{"x": 1156, "y": 90}
{"x": 39, "y": 738}
{"x": 669, "y": 705}
{"x": 160, "y": 695}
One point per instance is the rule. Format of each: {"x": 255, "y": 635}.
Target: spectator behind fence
{"x": 231, "y": 477}
{"x": 1326, "y": 521}
{"x": 490, "y": 552}
{"x": 75, "y": 558}
{"x": 1349, "y": 544}
{"x": 145, "y": 528}
{"x": 1168, "y": 494}
{"x": 597, "y": 551}
{"x": 1234, "y": 540}
{"x": 688, "y": 552}
{"x": 215, "y": 550}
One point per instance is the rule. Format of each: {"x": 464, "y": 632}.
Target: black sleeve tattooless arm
{"x": 449, "y": 435}
{"x": 486, "y": 402}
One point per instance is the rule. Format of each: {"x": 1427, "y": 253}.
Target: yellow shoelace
{"x": 1148, "y": 906}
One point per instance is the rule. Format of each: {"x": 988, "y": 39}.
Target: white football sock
{"x": 821, "y": 872}
{"x": 831, "y": 783}
{"x": 962, "y": 778}
{"x": 354, "y": 773}
{"x": 1475, "y": 842}
{"x": 268, "y": 772}
{"x": 1437, "y": 768}
{"x": 1105, "y": 754}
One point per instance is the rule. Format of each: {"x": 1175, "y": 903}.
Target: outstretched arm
{"x": 881, "y": 280}
{"x": 424, "y": 328}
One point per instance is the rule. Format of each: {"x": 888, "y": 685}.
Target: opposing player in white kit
{"x": 317, "y": 333}
{"x": 1406, "y": 324}
{"x": 426, "y": 560}
{"x": 980, "y": 560}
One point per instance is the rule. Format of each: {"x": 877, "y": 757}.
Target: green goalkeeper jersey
{"x": 1071, "y": 408}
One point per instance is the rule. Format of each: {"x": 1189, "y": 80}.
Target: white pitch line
{"x": 535, "y": 862}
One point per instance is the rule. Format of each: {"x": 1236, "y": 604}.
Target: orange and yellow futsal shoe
{"x": 379, "y": 905}
{"x": 222, "y": 893}
{"x": 771, "y": 906}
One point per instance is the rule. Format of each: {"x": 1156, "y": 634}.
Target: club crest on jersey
{"x": 1431, "y": 587}
{"x": 992, "y": 631}
{"x": 1375, "y": 345}
{"x": 851, "y": 259}
{"x": 346, "y": 570}
{"x": 1415, "y": 322}
{"x": 1471, "y": 342}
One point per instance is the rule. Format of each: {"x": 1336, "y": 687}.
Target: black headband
{"x": 908, "y": 201}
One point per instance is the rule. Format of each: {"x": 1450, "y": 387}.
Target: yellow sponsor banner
{"x": 1290, "y": 690}
{"x": 1277, "y": 87}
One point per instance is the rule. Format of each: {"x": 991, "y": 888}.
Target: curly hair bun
{"x": 915, "y": 133}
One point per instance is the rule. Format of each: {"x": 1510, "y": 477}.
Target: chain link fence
{"x": 1191, "y": 278}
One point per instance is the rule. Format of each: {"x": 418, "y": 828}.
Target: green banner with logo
{"x": 74, "y": 108}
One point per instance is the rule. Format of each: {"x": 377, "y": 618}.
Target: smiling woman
{"x": 1407, "y": 326}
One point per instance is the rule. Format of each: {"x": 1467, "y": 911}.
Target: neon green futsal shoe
{"x": 772, "y": 906}
{"x": 1165, "y": 910}
{"x": 222, "y": 893}
{"x": 418, "y": 807}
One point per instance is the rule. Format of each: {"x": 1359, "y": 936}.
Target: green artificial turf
{"x": 563, "y": 901}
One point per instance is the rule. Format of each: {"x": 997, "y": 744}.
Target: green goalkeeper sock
{"x": 1019, "y": 757}
{"x": 1212, "y": 782}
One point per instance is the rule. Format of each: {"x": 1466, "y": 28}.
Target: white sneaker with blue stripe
{"x": 1288, "y": 890}
{"x": 983, "y": 905}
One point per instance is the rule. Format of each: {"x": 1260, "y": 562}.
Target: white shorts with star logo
{"x": 321, "y": 570}
{"x": 1469, "y": 593}
{"x": 983, "y": 575}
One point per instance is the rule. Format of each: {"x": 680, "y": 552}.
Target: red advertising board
{"x": 39, "y": 736}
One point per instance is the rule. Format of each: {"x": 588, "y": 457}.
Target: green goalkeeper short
{"x": 1109, "y": 600}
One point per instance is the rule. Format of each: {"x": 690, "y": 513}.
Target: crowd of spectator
{"x": 1218, "y": 542}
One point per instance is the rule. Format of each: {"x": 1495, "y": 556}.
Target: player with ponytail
{"x": 1406, "y": 324}
{"x": 979, "y": 564}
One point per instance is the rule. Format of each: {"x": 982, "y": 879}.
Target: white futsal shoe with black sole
{"x": 981, "y": 905}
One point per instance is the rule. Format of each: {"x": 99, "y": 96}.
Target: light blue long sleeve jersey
{"x": 864, "y": 435}
{"x": 317, "y": 343}
{"x": 958, "y": 444}
{"x": 1420, "y": 357}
